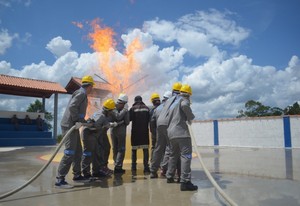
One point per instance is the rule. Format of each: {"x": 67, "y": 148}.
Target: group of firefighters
{"x": 171, "y": 150}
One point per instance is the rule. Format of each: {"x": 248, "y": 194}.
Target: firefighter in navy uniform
{"x": 139, "y": 116}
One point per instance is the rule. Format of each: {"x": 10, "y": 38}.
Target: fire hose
{"x": 76, "y": 126}
{"x": 211, "y": 179}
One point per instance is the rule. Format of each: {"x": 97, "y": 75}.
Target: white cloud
{"x": 59, "y": 47}
{"x": 201, "y": 33}
{"x": 6, "y": 40}
{"x": 8, "y": 3}
{"x": 221, "y": 84}
{"x": 222, "y": 88}
{"x": 216, "y": 25}
{"x": 161, "y": 30}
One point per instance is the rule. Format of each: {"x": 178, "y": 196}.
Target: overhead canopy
{"x": 100, "y": 89}
{"x": 29, "y": 87}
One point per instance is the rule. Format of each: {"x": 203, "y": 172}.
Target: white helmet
{"x": 123, "y": 97}
{"x": 167, "y": 94}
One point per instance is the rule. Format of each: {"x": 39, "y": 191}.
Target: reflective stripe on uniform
{"x": 87, "y": 154}
{"x": 69, "y": 152}
{"x": 188, "y": 156}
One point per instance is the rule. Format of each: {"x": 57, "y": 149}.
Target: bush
{"x": 59, "y": 138}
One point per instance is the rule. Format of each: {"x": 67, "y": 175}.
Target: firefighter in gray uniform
{"x": 91, "y": 136}
{"x": 75, "y": 112}
{"x": 118, "y": 133}
{"x": 161, "y": 118}
{"x": 180, "y": 140}
{"x": 155, "y": 99}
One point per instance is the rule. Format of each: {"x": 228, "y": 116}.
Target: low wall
{"x": 266, "y": 132}
{"x": 20, "y": 115}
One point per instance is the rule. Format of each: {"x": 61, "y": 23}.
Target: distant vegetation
{"x": 257, "y": 109}
{"x": 37, "y": 106}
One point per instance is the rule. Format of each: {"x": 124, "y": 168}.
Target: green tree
{"x": 257, "y": 109}
{"x": 292, "y": 110}
{"x": 37, "y": 106}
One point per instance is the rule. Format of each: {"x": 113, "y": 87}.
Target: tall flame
{"x": 117, "y": 71}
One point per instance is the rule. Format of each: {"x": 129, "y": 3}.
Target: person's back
{"x": 27, "y": 120}
{"x": 139, "y": 116}
{"x": 180, "y": 140}
{"x": 15, "y": 121}
{"x": 39, "y": 123}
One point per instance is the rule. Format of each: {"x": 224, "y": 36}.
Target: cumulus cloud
{"x": 221, "y": 83}
{"x": 59, "y": 47}
{"x": 200, "y": 33}
{"x": 6, "y": 40}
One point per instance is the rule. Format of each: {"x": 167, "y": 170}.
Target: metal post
{"x": 55, "y": 116}
{"x": 43, "y": 106}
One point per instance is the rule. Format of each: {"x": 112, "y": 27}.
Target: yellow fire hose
{"x": 211, "y": 179}
{"x": 42, "y": 169}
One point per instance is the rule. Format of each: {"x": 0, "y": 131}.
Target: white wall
{"x": 295, "y": 130}
{"x": 265, "y": 132}
{"x": 204, "y": 133}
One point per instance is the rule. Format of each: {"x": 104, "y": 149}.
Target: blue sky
{"x": 228, "y": 51}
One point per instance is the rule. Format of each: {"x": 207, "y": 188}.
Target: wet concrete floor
{"x": 249, "y": 176}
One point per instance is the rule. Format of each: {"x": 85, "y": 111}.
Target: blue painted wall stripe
{"x": 287, "y": 132}
{"x": 216, "y": 132}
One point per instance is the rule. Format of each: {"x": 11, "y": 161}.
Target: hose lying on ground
{"x": 211, "y": 179}
{"x": 43, "y": 168}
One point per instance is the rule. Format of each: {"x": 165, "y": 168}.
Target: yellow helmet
{"x": 177, "y": 86}
{"x": 109, "y": 104}
{"x": 88, "y": 80}
{"x": 154, "y": 96}
{"x": 186, "y": 89}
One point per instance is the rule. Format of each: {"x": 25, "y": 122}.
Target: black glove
{"x": 89, "y": 120}
{"x": 81, "y": 120}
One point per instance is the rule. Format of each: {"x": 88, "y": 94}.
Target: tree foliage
{"x": 257, "y": 109}
{"x": 37, "y": 106}
{"x": 292, "y": 110}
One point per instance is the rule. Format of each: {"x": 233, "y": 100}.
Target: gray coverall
{"x": 180, "y": 139}
{"x": 75, "y": 112}
{"x": 91, "y": 144}
{"x": 103, "y": 142}
{"x": 162, "y": 148}
{"x": 118, "y": 136}
{"x": 161, "y": 138}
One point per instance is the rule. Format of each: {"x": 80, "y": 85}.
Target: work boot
{"x": 188, "y": 186}
{"x": 153, "y": 175}
{"x": 119, "y": 171}
{"x": 62, "y": 184}
{"x": 80, "y": 178}
{"x": 170, "y": 180}
{"x": 146, "y": 170}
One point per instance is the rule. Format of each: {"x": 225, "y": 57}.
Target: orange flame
{"x": 78, "y": 24}
{"x": 117, "y": 71}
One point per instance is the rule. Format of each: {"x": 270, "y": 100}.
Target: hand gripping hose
{"x": 43, "y": 168}
{"x": 211, "y": 179}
